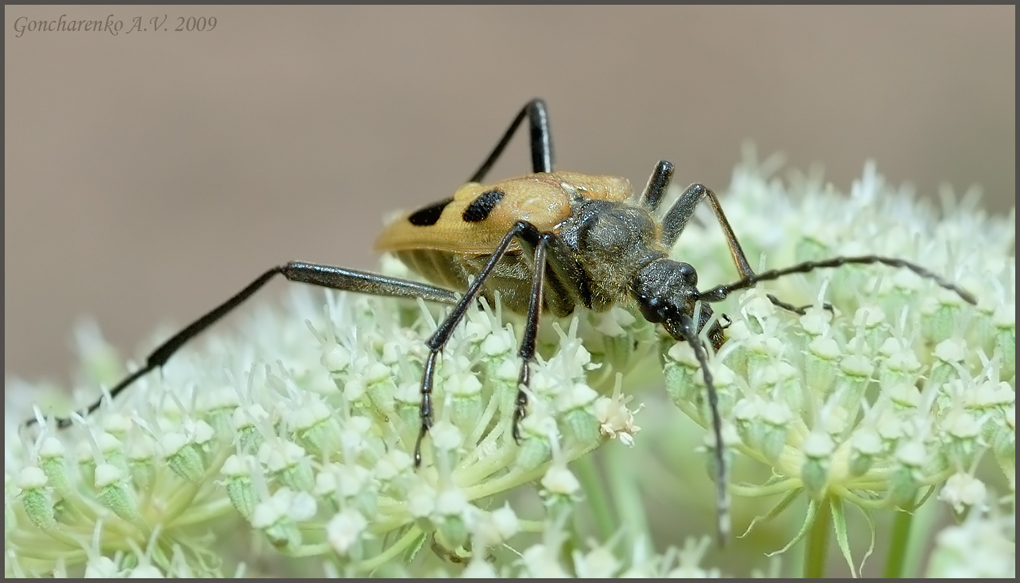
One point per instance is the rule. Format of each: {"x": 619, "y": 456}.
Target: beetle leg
{"x": 657, "y": 184}
{"x": 338, "y": 278}
{"x": 680, "y": 214}
{"x": 527, "y": 350}
{"x": 541, "y": 141}
{"x": 675, "y": 221}
{"x": 435, "y": 343}
{"x": 565, "y": 284}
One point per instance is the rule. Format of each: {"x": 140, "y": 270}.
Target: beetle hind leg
{"x": 327, "y": 276}
{"x": 539, "y": 134}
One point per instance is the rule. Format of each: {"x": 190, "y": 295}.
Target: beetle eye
{"x": 651, "y": 307}
{"x": 688, "y": 273}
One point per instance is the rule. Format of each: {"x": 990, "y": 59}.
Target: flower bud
{"x": 36, "y": 497}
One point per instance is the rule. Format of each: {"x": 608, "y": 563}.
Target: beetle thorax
{"x": 611, "y": 242}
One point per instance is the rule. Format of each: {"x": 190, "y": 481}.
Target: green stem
{"x": 818, "y": 542}
{"x": 923, "y": 527}
{"x": 390, "y": 553}
{"x": 626, "y": 495}
{"x": 898, "y": 543}
{"x": 595, "y": 496}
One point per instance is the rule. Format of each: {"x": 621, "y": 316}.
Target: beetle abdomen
{"x": 511, "y": 277}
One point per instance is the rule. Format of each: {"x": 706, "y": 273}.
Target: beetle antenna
{"x": 719, "y": 293}
{"x": 690, "y": 334}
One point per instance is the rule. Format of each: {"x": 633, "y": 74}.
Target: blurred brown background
{"x": 150, "y": 175}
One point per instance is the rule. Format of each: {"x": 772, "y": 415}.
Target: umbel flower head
{"x": 285, "y": 449}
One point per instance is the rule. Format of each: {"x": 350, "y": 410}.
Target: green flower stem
{"x": 514, "y": 479}
{"x": 818, "y": 542}
{"x": 392, "y": 552}
{"x": 212, "y": 510}
{"x": 898, "y": 545}
{"x": 532, "y": 526}
{"x": 594, "y": 494}
{"x": 764, "y": 491}
{"x": 627, "y": 495}
{"x": 926, "y": 522}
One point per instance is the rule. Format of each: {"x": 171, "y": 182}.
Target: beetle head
{"x": 667, "y": 292}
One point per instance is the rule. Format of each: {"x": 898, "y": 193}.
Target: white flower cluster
{"x": 983, "y": 546}
{"x": 307, "y": 436}
{"x": 901, "y": 387}
{"x": 299, "y": 431}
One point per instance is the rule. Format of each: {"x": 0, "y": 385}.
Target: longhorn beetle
{"x": 547, "y": 242}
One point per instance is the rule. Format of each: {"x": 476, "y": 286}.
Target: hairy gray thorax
{"x": 611, "y": 242}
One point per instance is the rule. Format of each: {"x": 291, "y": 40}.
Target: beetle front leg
{"x": 675, "y": 221}
{"x": 527, "y": 350}
{"x": 438, "y": 340}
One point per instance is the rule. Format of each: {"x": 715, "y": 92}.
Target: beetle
{"x": 547, "y": 242}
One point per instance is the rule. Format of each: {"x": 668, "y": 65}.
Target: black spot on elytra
{"x": 480, "y": 208}
{"x": 427, "y": 216}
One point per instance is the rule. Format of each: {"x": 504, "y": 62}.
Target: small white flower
{"x": 962, "y": 491}
{"x": 345, "y": 529}
{"x": 558, "y": 480}
{"x": 615, "y": 419}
